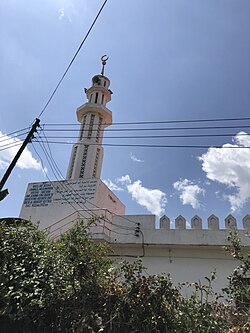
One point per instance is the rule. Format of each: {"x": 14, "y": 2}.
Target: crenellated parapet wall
{"x": 213, "y": 223}
{"x": 187, "y": 250}
{"x": 133, "y": 229}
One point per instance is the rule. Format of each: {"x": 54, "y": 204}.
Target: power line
{"x": 72, "y": 188}
{"x": 66, "y": 186}
{"x": 51, "y": 225}
{"x": 127, "y": 228}
{"x": 152, "y": 146}
{"x": 49, "y": 154}
{"x": 58, "y": 171}
{"x": 165, "y": 121}
{"x": 18, "y": 131}
{"x": 11, "y": 145}
{"x": 72, "y": 60}
{"x": 14, "y": 138}
{"x": 152, "y": 129}
{"x": 60, "y": 182}
{"x": 3, "y": 137}
{"x": 154, "y": 136}
{"x": 122, "y": 216}
{"x": 95, "y": 224}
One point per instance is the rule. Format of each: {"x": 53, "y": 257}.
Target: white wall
{"x": 183, "y": 263}
{"x": 61, "y": 203}
{"x": 189, "y": 255}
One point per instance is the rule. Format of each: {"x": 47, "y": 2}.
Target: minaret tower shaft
{"x": 87, "y": 154}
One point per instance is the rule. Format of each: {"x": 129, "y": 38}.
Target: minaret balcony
{"x": 104, "y": 112}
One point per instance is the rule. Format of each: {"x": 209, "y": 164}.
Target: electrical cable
{"x": 143, "y": 243}
{"x": 133, "y": 256}
{"x": 154, "y": 146}
{"x": 51, "y": 225}
{"x": 120, "y": 216}
{"x": 44, "y": 170}
{"x": 5, "y": 137}
{"x": 18, "y": 131}
{"x": 112, "y": 224}
{"x": 68, "y": 186}
{"x": 99, "y": 218}
{"x": 122, "y": 227}
{"x": 10, "y": 145}
{"x": 151, "y": 129}
{"x": 58, "y": 171}
{"x": 114, "y": 231}
{"x": 155, "y": 136}
{"x": 13, "y": 139}
{"x": 73, "y": 59}
{"x": 61, "y": 226}
{"x": 118, "y": 225}
{"x": 165, "y": 121}
{"x": 74, "y": 189}
{"x": 106, "y": 220}
{"x": 148, "y": 122}
{"x": 65, "y": 217}
{"x": 51, "y": 155}
{"x": 94, "y": 224}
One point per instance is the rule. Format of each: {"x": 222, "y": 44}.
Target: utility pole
{"x": 15, "y": 159}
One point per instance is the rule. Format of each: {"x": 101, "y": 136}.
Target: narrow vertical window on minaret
{"x": 102, "y": 99}
{"x": 96, "y": 162}
{"x": 73, "y": 162}
{"x": 82, "y": 127}
{"x": 104, "y": 83}
{"x": 91, "y": 123}
{"x": 84, "y": 157}
{"x": 96, "y": 98}
{"x": 99, "y": 129}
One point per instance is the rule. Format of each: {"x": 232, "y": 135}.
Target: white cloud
{"x": 135, "y": 159}
{"x": 231, "y": 167}
{"x": 26, "y": 160}
{"x": 124, "y": 180}
{"x": 189, "y": 192}
{"x": 153, "y": 200}
{"x": 112, "y": 186}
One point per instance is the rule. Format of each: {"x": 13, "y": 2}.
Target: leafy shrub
{"x": 71, "y": 285}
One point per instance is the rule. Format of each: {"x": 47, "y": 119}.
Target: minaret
{"x": 57, "y": 204}
{"x": 87, "y": 154}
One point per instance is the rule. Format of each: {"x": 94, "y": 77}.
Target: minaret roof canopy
{"x": 99, "y": 76}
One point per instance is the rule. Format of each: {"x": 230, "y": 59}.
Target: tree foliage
{"x": 238, "y": 290}
{"x": 71, "y": 285}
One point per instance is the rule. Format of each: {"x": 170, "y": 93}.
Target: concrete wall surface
{"x": 188, "y": 255}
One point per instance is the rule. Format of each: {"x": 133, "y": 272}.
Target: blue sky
{"x": 169, "y": 60}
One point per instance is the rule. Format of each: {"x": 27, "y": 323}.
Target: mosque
{"x": 187, "y": 254}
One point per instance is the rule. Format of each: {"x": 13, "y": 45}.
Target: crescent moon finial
{"x": 104, "y": 59}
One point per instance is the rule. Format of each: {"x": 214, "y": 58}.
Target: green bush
{"x": 71, "y": 285}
